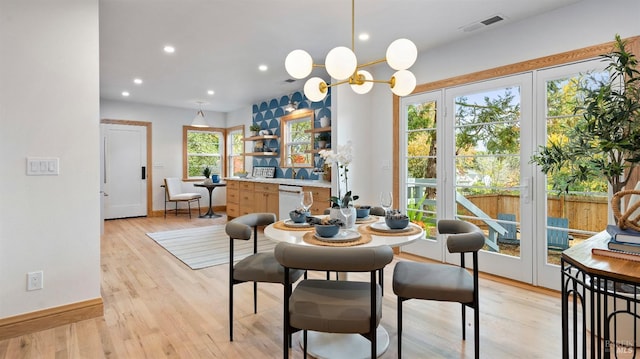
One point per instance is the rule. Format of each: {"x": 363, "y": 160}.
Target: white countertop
{"x": 289, "y": 181}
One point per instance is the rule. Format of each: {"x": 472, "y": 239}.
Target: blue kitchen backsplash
{"x": 267, "y": 114}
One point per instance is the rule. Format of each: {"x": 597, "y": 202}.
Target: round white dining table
{"x": 338, "y": 346}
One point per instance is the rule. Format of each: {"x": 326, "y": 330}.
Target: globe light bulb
{"x": 366, "y": 86}
{"x": 312, "y": 89}
{"x": 401, "y": 54}
{"x": 341, "y": 63}
{"x": 403, "y": 83}
{"x": 298, "y": 64}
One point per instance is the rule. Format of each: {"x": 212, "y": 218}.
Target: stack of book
{"x": 623, "y": 240}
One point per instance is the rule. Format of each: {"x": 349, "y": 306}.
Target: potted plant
{"x": 605, "y": 140}
{"x": 322, "y": 139}
{"x": 206, "y": 172}
{"x": 254, "y": 129}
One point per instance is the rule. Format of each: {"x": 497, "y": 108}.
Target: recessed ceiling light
{"x": 364, "y": 36}
{"x": 125, "y": 93}
{"x": 263, "y": 68}
{"x": 210, "y": 92}
{"x": 169, "y": 49}
{"x": 137, "y": 81}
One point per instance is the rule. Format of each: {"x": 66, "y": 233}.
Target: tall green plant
{"x": 605, "y": 141}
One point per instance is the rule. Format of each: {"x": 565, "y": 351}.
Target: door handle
{"x": 144, "y": 172}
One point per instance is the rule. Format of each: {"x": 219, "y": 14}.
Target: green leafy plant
{"x": 324, "y": 136}
{"x": 413, "y": 209}
{"x": 254, "y": 127}
{"x": 206, "y": 172}
{"x": 605, "y": 140}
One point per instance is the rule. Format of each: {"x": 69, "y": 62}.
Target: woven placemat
{"x": 311, "y": 239}
{"x": 281, "y": 225}
{"x": 371, "y": 219}
{"x": 413, "y": 229}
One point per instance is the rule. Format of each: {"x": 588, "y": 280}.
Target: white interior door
{"x": 124, "y": 170}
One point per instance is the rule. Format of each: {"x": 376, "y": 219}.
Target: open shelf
{"x": 261, "y": 154}
{"x": 319, "y": 129}
{"x": 260, "y": 138}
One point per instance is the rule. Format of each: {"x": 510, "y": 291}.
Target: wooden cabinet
{"x": 266, "y": 198}
{"x": 321, "y": 199}
{"x": 233, "y": 199}
{"x": 245, "y": 197}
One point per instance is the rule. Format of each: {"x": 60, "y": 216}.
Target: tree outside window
{"x": 202, "y": 147}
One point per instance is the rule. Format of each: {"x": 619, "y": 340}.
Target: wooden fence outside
{"x": 584, "y": 213}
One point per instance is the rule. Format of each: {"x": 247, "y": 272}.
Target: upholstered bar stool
{"x": 444, "y": 282}
{"x": 258, "y": 267}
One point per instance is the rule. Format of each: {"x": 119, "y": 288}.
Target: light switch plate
{"x": 43, "y": 166}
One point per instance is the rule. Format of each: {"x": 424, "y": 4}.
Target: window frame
{"x": 285, "y": 121}
{"x": 230, "y": 155}
{"x": 185, "y": 155}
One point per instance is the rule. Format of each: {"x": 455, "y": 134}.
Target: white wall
{"x": 586, "y": 23}
{"x": 49, "y": 91}
{"x": 166, "y": 141}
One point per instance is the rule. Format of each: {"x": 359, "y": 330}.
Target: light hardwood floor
{"x": 156, "y": 307}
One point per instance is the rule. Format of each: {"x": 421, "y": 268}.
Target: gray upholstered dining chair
{"x": 444, "y": 282}
{"x": 257, "y": 267}
{"x": 173, "y": 193}
{"x": 332, "y": 306}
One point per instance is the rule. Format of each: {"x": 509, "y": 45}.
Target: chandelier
{"x": 342, "y": 65}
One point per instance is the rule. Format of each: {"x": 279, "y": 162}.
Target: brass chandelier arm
{"x": 371, "y": 63}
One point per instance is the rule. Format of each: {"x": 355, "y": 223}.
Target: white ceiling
{"x": 220, "y": 43}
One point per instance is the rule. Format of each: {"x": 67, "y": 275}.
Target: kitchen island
{"x": 251, "y": 195}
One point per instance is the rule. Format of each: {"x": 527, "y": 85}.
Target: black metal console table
{"x": 600, "y": 303}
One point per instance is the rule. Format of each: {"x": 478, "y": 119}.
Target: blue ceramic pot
{"x": 215, "y": 178}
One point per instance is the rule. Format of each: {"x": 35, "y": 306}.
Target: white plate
{"x": 290, "y": 223}
{"x": 342, "y": 236}
{"x": 381, "y": 226}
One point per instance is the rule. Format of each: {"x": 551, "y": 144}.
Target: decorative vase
{"x": 325, "y": 121}
{"x": 337, "y": 213}
{"x": 215, "y": 178}
{"x": 207, "y": 181}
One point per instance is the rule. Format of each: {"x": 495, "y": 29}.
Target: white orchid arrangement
{"x": 342, "y": 157}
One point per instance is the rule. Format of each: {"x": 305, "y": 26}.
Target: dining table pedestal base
{"x": 347, "y": 346}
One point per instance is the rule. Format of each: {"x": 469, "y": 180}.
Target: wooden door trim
{"x": 148, "y": 125}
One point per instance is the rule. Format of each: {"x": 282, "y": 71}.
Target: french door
{"x": 485, "y": 134}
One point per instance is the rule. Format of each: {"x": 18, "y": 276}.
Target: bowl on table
{"x": 362, "y": 211}
{"x": 394, "y": 222}
{"x": 298, "y": 216}
{"x": 327, "y": 230}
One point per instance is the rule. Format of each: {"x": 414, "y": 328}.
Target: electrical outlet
{"x": 34, "y": 280}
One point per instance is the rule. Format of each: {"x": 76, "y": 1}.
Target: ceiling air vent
{"x": 290, "y": 80}
{"x": 481, "y": 24}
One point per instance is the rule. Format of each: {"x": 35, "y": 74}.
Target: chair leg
{"x": 464, "y": 312}
{"x": 381, "y": 280}
{"x": 189, "y": 207}
{"x": 476, "y": 328}
{"x": 176, "y": 209}
{"x": 255, "y": 297}
{"x": 230, "y": 311}
{"x": 399, "y": 312}
{"x": 304, "y": 342}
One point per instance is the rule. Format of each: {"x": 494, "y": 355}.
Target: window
{"x": 202, "y": 147}
{"x": 235, "y": 150}
{"x": 297, "y": 139}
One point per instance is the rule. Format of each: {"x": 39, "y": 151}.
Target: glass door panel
{"x": 571, "y": 216}
{"x": 419, "y": 169}
{"x": 490, "y": 170}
